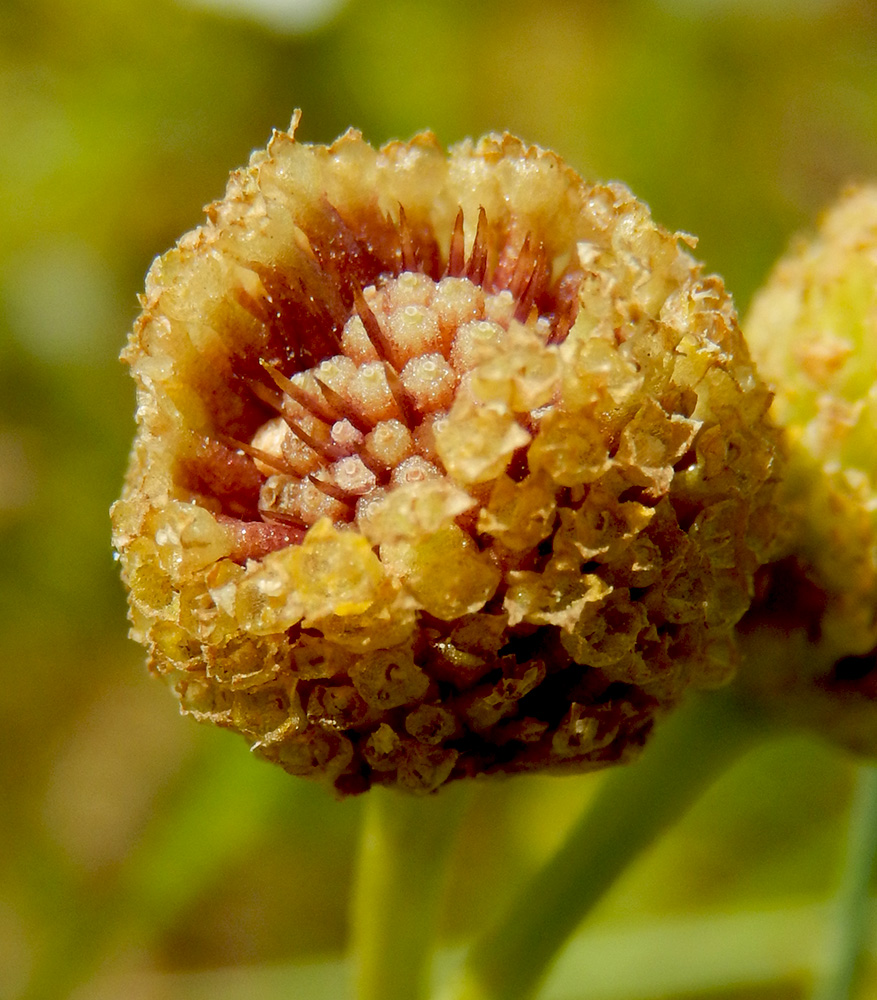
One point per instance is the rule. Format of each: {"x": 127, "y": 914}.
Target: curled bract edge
{"x": 813, "y": 332}
{"x": 446, "y": 464}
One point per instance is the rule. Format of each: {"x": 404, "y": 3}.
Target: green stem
{"x": 853, "y": 898}
{"x": 633, "y": 806}
{"x": 405, "y": 846}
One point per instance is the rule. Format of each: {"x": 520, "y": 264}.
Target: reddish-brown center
{"x": 344, "y": 397}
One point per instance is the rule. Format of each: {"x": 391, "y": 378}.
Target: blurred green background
{"x": 139, "y": 851}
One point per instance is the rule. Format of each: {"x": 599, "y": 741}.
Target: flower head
{"x": 446, "y": 464}
{"x": 813, "y": 331}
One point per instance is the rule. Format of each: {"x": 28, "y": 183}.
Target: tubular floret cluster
{"x": 447, "y": 464}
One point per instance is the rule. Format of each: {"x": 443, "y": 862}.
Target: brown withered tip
{"x": 446, "y": 465}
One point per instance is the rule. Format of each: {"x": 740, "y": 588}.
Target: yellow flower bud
{"x": 813, "y": 332}
{"x": 447, "y": 464}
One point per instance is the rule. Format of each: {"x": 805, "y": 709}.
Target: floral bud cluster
{"x": 813, "y": 331}
{"x": 447, "y": 464}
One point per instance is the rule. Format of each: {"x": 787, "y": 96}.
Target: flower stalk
{"x": 406, "y": 842}
{"x": 633, "y": 807}
{"x": 852, "y": 905}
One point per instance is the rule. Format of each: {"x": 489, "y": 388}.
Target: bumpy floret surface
{"x": 446, "y": 464}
